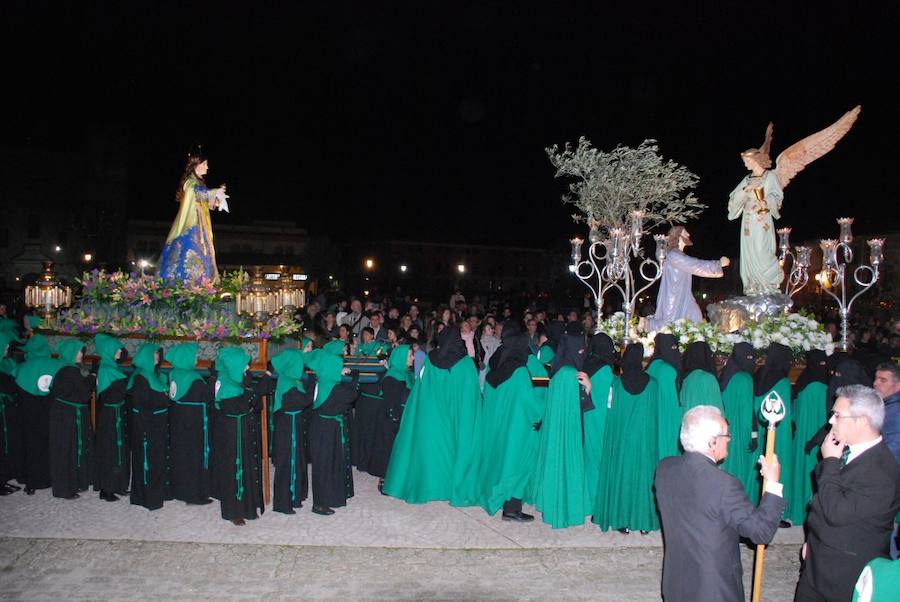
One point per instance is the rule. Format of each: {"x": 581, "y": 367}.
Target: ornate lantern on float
{"x": 290, "y": 294}
{"x": 256, "y": 300}
{"x": 48, "y": 294}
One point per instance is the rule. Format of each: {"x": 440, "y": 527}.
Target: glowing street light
{"x": 87, "y": 257}
{"x": 370, "y": 263}
{"x": 461, "y": 268}
{"x": 57, "y": 248}
{"x": 403, "y": 268}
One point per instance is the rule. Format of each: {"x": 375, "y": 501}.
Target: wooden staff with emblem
{"x": 772, "y": 409}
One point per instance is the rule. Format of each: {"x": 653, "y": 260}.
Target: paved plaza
{"x": 376, "y": 548}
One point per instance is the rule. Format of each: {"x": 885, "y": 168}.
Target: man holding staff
{"x": 705, "y": 511}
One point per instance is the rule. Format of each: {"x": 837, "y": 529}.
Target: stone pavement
{"x": 375, "y": 548}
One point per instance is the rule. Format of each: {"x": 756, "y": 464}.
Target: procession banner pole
{"x": 772, "y": 409}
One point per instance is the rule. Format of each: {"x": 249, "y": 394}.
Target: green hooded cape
{"x": 559, "y": 488}
{"x": 700, "y": 388}
{"x": 809, "y": 414}
{"x": 7, "y": 365}
{"x": 396, "y": 366}
{"x": 741, "y": 462}
{"x": 230, "y": 364}
{"x": 670, "y": 412}
{"x": 35, "y": 374}
{"x": 595, "y": 429}
{"x": 144, "y": 363}
{"x": 327, "y": 367}
{"x": 183, "y": 358}
{"x": 109, "y": 372}
{"x": 289, "y": 367}
{"x": 784, "y": 441}
{"x": 9, "y": 328}
{"x": 35, "y": 347}
{"x": 370, "y": 349}
{"x": 335, "y": 347}
{"x": 507, "y": 443}
{"x": 68, "y": 350}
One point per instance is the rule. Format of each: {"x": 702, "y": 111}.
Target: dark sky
{"x": 428, "y": 119}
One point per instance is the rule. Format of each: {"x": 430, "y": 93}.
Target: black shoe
{"x": 202, "y": 502}
{"x": 13, "y": 487}
{"x": 784, "y": 525}
{"x": 238, "y": 522}
{"x": 643, "y": 532}
{"x": 106, "y": 496}
{"x": 519, "y": 517}
{"x": 6, "y": 490}
{"x": 624, "y": 530}
{"x": 323, "y": 510}
{"x": 74, "y": 496}
{"x": 381, "y": 486}
{"x": 29, "y": 490}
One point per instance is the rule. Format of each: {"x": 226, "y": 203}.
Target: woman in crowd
{"x": 112, "y": 454}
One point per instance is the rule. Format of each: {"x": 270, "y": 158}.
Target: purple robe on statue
{"x": 675, "y": 300}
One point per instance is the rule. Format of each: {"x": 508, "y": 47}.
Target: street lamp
{"x": 370, "y": 263}
{"x": 87, "y": 257}
{"x": 461, "y": 268}
{"x": 403, "y": 268}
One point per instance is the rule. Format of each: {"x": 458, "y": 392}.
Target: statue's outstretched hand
{"x": 725, "y": 262}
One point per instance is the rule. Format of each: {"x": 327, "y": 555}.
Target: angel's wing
{"x": 800, "y": 154}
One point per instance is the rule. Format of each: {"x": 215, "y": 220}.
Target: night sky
{"x": 428, "y": 120}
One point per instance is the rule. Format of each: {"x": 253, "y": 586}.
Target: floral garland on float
{"x": 798, "y": 331}
{"x": 121, "y": 303}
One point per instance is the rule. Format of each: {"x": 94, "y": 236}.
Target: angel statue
{"x": 758, "y": 197}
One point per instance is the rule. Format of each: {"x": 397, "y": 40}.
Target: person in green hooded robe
{"x": 700, "y": 386}
{"x": 434, "y": 452}
{"x": 71, "y": 433}
{"x": 508, "y": 436}
{"x": 665, "y": 369}
{"x": 559, "y": 488}
{"x": 368, "y": 406}
{"x": 112, "y": 460}
{"x": 395, "y": 387}
{"x": 33, "y": 379}
{"x": 189, "y": 424}
{"x": 290, "y": 401}
{"x": 736, "y": 384}
{"x": 598, "y": 365}
{"x": 772, "y": 378}
{"x": 237, "y": 451}
{"x": 332, "y": 473}
{"x": 10, "y": 422}
{"x": 149, "y": 401}
{"x": 809, "y": 414}
{"x": 625, "y": 493}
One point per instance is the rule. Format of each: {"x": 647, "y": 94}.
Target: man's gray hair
{"x": 699, "y": 425}
{"x": 891, "y": 367}
{"x": 864, "y": 402}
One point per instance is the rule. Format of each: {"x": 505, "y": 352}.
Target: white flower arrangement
{"x": 797, "y": 331}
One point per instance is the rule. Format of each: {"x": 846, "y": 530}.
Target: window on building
{"x": 34, "y": 226}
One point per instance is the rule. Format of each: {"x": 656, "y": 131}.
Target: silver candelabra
{"x": 836, "y": 258}
{"x": 608, "y": 265}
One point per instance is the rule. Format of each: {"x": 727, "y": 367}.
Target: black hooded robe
{"x": 150, "y": 473}
{"x": 112, "y": 457}
{"x": 332, "y": 476}
{"x": 190, "y": 422}
{"x": 291, "y": 485}
{"x": 71, "y": 435}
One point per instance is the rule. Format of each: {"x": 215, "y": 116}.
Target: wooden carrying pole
{"x": 773, "y": 411}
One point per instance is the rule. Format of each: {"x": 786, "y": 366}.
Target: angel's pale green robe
{"x": 760, "y": 270}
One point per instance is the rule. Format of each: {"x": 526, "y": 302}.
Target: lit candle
{"x": 875, "y": 246}
{"x": 576, "y": 249}
{"x": 637, "y": 225}
{"x": 784, "y": 242}
{"x": 660, "y": 240}
{"x": 617, "y": 235}
{"x": 845, "y": 223}
{"x": 829, "y": 252}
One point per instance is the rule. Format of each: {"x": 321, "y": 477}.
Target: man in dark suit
{"x": 851, "y": 515}
{"x": 705, "y": 512}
